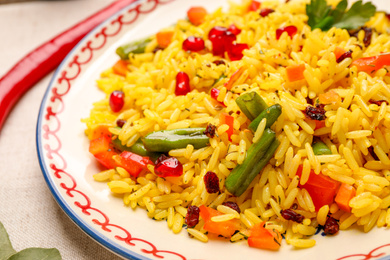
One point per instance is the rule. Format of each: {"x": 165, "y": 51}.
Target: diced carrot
{"x": 263, "y": 238}
{"x": 235, "y": 76}
{"x": 344, "y": 195}
{"x": 164, "y": 38}
{"x": 254, "y": 6}
{"x": 295, "y": 72}
{"x": 133, "y": 163}
{"x": 196, "y": 15}
{"x": 224, "y": 118}
{"x": 120, "y": 67}
{"x": 224, "y": 228}
{"x": 338, "y": 52}
{"x": 329, "y": 97}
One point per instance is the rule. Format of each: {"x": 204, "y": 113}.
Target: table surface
{"x": 27, "y": 208}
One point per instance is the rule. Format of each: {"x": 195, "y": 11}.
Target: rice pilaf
{"x": 355, "y": 123}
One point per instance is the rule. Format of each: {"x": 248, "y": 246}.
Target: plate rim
{"x": 115, "y": 248}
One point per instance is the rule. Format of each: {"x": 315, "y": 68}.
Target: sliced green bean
{"x": 255, "y": 153}
{"x": 271, "y": 114}
{"x": 257, "y": 169}
{"x": 166, "y": 140}
{"x": 320, "y": 148}
{"x": 133, "y": 47}
{"x": 137, "y": 148}
{"x": 251, "y": 104}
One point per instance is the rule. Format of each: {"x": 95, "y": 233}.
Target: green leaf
{"x": 339, "y": 11}
{"x": 322, "y": 16}
{"x": 6, "y": 249}
{"x": 37, "y": 254}
{"x": 317, "y": 11}
{"x": 356, "y": 16}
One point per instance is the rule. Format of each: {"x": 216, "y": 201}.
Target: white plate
{"x": 68, "y": 167}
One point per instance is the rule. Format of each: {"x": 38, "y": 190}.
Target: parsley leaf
{"x": 356, "y": 16}
{"x": 321, "y": 15}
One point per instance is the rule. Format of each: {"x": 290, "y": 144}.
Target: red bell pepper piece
{"x": 321, "y": 188}
{"x": 103, "y": 151}
{"x": 214, "y": 93}
{"x": 372, "y": 64}
{"x": 225, "y": 228}
{"x": 133, "y": 163}
{"x": 263, "y": 238}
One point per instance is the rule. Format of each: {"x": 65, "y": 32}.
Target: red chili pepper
{"x": 39, "y": 62}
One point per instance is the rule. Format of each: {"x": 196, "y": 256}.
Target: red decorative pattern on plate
{"x": 64, "y": 83}
{"x": 373, "y": 254}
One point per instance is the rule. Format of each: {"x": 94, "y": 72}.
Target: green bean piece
{"x": 255, "y": 153}
{"x": 259, "y": 166}
{"x": 137, "y": 148}
{"x": 272, "y": 114}
{"x": 166, "y": 140}
{"x": 251, "y": 104}
{"x": 320, "y": 148}
{"x": 133, "y": 47}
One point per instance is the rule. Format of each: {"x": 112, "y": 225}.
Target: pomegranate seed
{"x": 211, "y": 182}
{"x": 234, "y": 30}
{"x": 291, "y": 31}
{"x": 232, "y": 205}
{"x": 214, "y": 95}
{"x": 192, "y": 216}
{"x": 193, "y": 44}
{"x": 221, "y": 38}
{"x": 289, "y": 214}
{"x": 117, "y": 100}
{"x": 168, "y": 167}
{"x": 236, "y": 49}
{"x": 266, "y": 11}
{"x": 182, "y": 84}
{"x": 331, "y": 226}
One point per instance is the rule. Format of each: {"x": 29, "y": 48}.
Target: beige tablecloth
{"x": 27, "y": 208}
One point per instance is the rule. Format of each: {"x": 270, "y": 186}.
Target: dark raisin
{"x": 192, "y": 216}
{"x": 347, "y": 54}
{"x": 211, "y": 182}
{"x": 315, "y": 113}
{"x": 233, "y": 205}
{"x": 289, "y": 214}
{"x": 157, "y": 49}
{"x": 331, "y": 226}
{"x": 219, "y": 62}
{"x": 378, "y": 102}
{"x": 367, "y": 36}
{"x": 120, "y": 122}
{"x": 266, "y": 11}
{"x": 210, "y": 130}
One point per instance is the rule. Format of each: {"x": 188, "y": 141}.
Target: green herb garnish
{"x": 323, "y": 16}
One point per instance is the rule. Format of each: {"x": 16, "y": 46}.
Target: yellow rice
{"x": 352, "y": 124}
